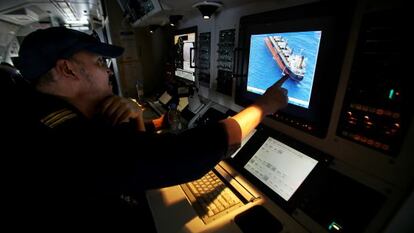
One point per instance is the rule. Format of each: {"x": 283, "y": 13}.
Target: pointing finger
{"x": 282, "y": 80}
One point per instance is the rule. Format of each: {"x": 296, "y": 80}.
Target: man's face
{"x": 94, "y": 75}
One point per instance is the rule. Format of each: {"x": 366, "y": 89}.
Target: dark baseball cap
{"x": 42, "y": 48}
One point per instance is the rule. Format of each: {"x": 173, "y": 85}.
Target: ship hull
{"x": 279, "y": 60}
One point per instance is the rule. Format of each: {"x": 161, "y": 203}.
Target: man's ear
{"x": 65, "y": 68}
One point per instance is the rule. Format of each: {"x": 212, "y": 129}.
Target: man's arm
{"x": 249, "y": 118}
{"x": 186, "y": 156}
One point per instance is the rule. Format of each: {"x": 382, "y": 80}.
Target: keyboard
{"x": 210, "y": 197}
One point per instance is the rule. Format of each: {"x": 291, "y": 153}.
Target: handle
{"x": 236, "y": 62}
{"x": 192, "y": 58}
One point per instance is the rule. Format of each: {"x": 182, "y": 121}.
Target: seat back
{"x": 11, "y": 81}
{"x": 14, "y": 91}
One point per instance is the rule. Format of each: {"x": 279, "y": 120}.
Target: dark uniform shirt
{"x": 88, "y": 168}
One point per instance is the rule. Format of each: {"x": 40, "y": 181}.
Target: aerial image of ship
{"x": 290, "y": 63}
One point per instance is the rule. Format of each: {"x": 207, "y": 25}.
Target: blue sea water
{"x": 263, "y": 70}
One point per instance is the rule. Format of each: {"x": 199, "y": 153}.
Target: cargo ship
{"x": 290, "y": 63}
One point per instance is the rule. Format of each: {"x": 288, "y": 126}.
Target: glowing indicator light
{"x": 335, "y": 227}
{"x": 391, "y": 94}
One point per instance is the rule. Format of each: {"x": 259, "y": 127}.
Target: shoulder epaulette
{"x": 58, "y": 117}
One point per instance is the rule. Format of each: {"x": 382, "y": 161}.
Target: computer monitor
{"x": 184, "y": 42}
{"x": 307, "y": 43}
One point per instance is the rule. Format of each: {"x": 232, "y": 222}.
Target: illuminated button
{"x": 334, "y": 227}
{"x": 380, "y": 111}
{"x": 352, "y": 122}
{"x": 391, "y": 94}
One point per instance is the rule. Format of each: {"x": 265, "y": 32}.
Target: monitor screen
{"x": 280, "y": 167}
{"x": 184, "y": 55}
{"x": 305, "y": 42}
{"x": 291, "y": 53}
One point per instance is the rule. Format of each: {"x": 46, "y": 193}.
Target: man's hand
{"x": 274, "y": 98}
{"x": 118, "y": 109}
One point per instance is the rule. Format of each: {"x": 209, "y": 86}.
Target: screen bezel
{"x": 323, "y": 17}
{"x": 186, "y": 31}
{"x": 253, "y": 145}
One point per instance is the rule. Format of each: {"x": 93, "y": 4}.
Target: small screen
{"x": 280, "y": 167}
{"x": 293, "y": 53}
{"x": 184, "y": 56}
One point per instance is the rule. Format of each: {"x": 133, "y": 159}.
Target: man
{"x": 91, "y": 144}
